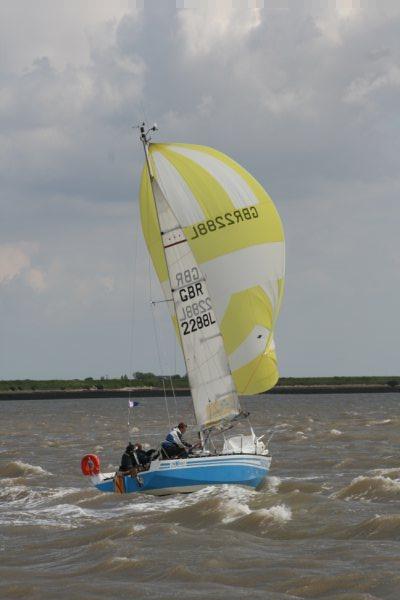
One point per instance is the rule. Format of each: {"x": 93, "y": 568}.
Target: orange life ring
{"x": 90, "y": 464}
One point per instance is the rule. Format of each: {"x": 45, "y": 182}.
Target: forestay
{"x": 232, "y": 233}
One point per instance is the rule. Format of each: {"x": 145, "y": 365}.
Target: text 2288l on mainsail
{"x": 196, "y": 310}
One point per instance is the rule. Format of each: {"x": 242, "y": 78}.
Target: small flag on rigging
{"x": 132, "y": 404}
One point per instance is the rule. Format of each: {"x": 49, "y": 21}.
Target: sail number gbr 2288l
{"x": 196, "y": 310}
{"x": 229, "y": 218}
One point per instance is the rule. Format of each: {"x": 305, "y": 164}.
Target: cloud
{"x": 15, "y": 264}
{"x": 36, "y": 279}
{"x": 305, "y": 96}
{"x": 62, "y": 32}
{"x": 206, "y": 27}
{"x": 13, "y": 261}
{"x": 361, "y": 89}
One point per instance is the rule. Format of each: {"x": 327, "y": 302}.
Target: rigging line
{"x": 167, "y": 264}
{"x": 133, "y": 295}
{"x": 172, "y": 384}
{"x": 176, "y": 404}
{"x": 152, "y": 304}
{"x": 161, "y": 301}
{"x": 166, "y": 403}
{"x": 159, "y": 358}
{"x": 173, "y": 393}
{"x": 133, "y": 313}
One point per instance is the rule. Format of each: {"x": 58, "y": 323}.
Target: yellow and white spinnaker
{"x": 217, "y": 245}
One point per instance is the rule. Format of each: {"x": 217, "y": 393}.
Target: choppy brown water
{"x": 325, "y": 525}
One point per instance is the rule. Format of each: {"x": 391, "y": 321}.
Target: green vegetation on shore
{"x": 391, "y": 381}
{"x": 103, "y": 383}
{"x": 142, "y": 380}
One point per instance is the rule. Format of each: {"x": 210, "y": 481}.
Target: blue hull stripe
{"x": 245, "y": 472}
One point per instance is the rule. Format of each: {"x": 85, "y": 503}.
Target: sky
{"x": 303, "y": 94}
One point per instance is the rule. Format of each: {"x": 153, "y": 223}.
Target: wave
{"x": 378, "y": 422}
{"x": 137, "y": 528}
{"x": 290, "y": 485}
{"x": 51, "y": 443}
{"x": 345, "y": 463}
{"x": 124, "y": 562}
{"x": 229, "y": 507}
{"x": 235, "y": 510}
{"x": 257, "y": 521}
{"x": 392, "y": 472}
{"x": 380, "y": 527}
{"x": 30, "y": 497}
{"x": 375, "y": 488}
{"x": 18, "y": 468}
{"x": 75, "y": 508}
{"x": 41, "y": 506}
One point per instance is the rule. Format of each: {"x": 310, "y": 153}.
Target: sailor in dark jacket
{"x": 129, "y": 462}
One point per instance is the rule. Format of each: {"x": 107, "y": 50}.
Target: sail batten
{"x": 229, "y": 228}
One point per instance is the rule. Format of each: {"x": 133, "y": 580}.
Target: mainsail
{"x": 217, "y": 245}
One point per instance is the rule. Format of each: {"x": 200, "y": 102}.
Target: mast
{"x": 145, "y": 139}
{"x": 212, "y": 387}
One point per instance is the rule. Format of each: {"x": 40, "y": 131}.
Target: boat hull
{"x": 190, "y": 474}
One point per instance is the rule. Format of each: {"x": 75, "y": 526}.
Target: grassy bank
{"x": 90, "y": 383}
{"x": 144, "y": 380}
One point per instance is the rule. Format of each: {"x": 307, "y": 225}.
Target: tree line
{"x": 143, "y": 379}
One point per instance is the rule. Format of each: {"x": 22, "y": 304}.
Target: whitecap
{"x": 234, "y": 510}
{"x": 279, "y": 513}
{"x": 336, "y": 432}
{"x": 273, "y": 483}
{"x": 18, "y": 468}
{"x": 379, "y": 422}
{"x": 392, "y": 473}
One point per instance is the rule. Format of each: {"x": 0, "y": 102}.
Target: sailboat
{"x": 217, "y": 245}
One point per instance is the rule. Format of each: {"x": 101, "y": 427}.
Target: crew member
{"x": 144, "y": 457}
{"x": 129, "y": 461}
{"x": 174, "y": 445}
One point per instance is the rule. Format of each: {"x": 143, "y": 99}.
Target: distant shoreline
{"x": 159, "y": 392}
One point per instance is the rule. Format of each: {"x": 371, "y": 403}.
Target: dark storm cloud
{"x": 305, "y": 97}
